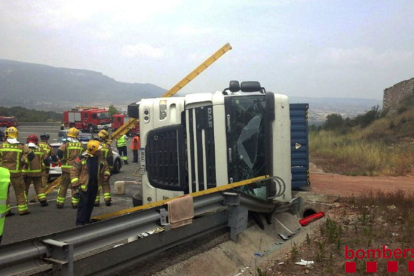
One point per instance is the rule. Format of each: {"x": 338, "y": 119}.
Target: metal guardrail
{"x": 56, "y": 124}
{"x": 64, "y": 250}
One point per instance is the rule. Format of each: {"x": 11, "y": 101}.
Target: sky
{"x": 312, "y": 48}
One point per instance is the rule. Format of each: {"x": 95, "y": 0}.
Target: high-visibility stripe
{"x": 6, "y": 148}
{"x": 74, "y": 180}
{"x": 196, "y": 194}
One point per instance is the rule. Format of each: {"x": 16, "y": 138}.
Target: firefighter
{"x": 13, "y": 155}
{"x": 108, "y": 156}
{"x": 4, "y": 187}
{"x": 67, "y": 153}
{"x": 122, "y": 148}
{"x": 44, "y": 138}
{"x": 88, "y": 172}
{"x": 34, "y": 170}
{"x": 135, "y": 147}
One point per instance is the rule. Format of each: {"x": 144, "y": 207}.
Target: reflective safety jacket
{"x": 14, "y": 156}
{"x": 4, "y": 187}
{"x": 79, "y": 173}
{"x": 39, "y": 162}
{"x": 135, "y": 143}
{"x": 49, "y": 152}
{"x": 121, "y": 141}
{"x": 107, "y": 154}
{"x": 68, "y": 152}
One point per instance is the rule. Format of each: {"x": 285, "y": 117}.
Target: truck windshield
{"x": 245, "y": 136}
{"x": 103, "y": 115}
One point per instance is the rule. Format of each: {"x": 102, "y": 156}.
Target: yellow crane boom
{"x": 220, "y": 52}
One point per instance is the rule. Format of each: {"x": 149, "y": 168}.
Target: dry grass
{"x": 354, "y": 154}
{"x": 369, "y": 222}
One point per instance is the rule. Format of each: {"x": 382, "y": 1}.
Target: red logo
{"x": 381, "y": 253}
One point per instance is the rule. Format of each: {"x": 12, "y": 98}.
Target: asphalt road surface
{"x": 47, "y": 220}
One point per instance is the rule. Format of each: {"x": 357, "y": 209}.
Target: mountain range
{"x": 45, "y": 87}
{"x": 41, "y": 86}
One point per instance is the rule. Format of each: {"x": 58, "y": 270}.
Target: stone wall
{"x": 394, "y": 94}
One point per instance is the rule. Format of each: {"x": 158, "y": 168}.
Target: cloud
{"x": 297, "y": 59}
{"x": 141, "y": 50}
{"x": 363, "y": 55}
{"x": 58, "y": 14}
{"x": 189, "y": 30}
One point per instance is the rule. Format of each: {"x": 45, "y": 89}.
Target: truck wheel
{"x": 137, "y": 199}
{"x": 91, "y": 129}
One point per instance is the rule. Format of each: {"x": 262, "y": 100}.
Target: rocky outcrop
{"x": 396, "y": 93}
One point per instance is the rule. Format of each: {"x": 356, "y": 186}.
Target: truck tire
{"x": 137, "y": 199}
{"x": 91, "y": 129}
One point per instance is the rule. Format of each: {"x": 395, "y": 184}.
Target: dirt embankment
{"x": 334, "y": 184}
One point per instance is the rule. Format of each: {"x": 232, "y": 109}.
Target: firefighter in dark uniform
{"x": 88, "y": 172}
{"x": 106, "y": 150}
{"x": 13, "y": 155}
{"x": 67, "y": 153}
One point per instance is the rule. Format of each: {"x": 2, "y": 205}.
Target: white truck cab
{"x": 202, "y": 141}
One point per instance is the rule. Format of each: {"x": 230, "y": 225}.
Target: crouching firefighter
{"x": 108, "y": 156}
{"x": 33, "y": 171}
{"x": 88, "y": 172}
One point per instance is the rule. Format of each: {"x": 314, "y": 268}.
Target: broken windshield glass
{"x": 245, "y": 137}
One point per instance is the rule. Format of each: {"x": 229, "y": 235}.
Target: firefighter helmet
{"x": 103, "y": 134}
{"x": 44, "y": 136}
{"x": 32, "y": 139}
{"x": 11, "y": 133}
{"x": 73, "y": 132}
{"x": 93, "y": 146}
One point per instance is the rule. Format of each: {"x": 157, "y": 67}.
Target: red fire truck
{"x": 87, "y": 118}
{"x": 8, "y": 121}
{"x": 119, "y": 119}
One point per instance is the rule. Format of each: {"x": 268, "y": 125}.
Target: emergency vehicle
{"x": 8, "y": 121}
{"x": 119, "y": 120}
{"x": 87, "y": 118}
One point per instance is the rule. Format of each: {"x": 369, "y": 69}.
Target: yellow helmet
{"x": 73, "y": 132}
{"x": 93, "y": 146}
{"x": 103, "y": 134}
{"x": 11, "y": 132}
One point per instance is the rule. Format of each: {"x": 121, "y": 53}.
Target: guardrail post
{"x": 60, "y": 254}
{"x": 238, "y": 215}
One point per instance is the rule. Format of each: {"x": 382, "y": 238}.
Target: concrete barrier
{"x": 120, "y": 186}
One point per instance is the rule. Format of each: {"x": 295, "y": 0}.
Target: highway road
{"x": 47, "y": 220}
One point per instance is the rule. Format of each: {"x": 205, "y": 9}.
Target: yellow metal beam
{"x": 49, "y": 188}
{"x": 198, "y": 70}
{"x": 227, "y": 47}
{"x": 196, "y": 194}
{"x": 124, "y": 129}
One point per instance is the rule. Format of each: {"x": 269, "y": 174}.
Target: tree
{"x": 333, "y": 121}
{"x": 113, "y": 110}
